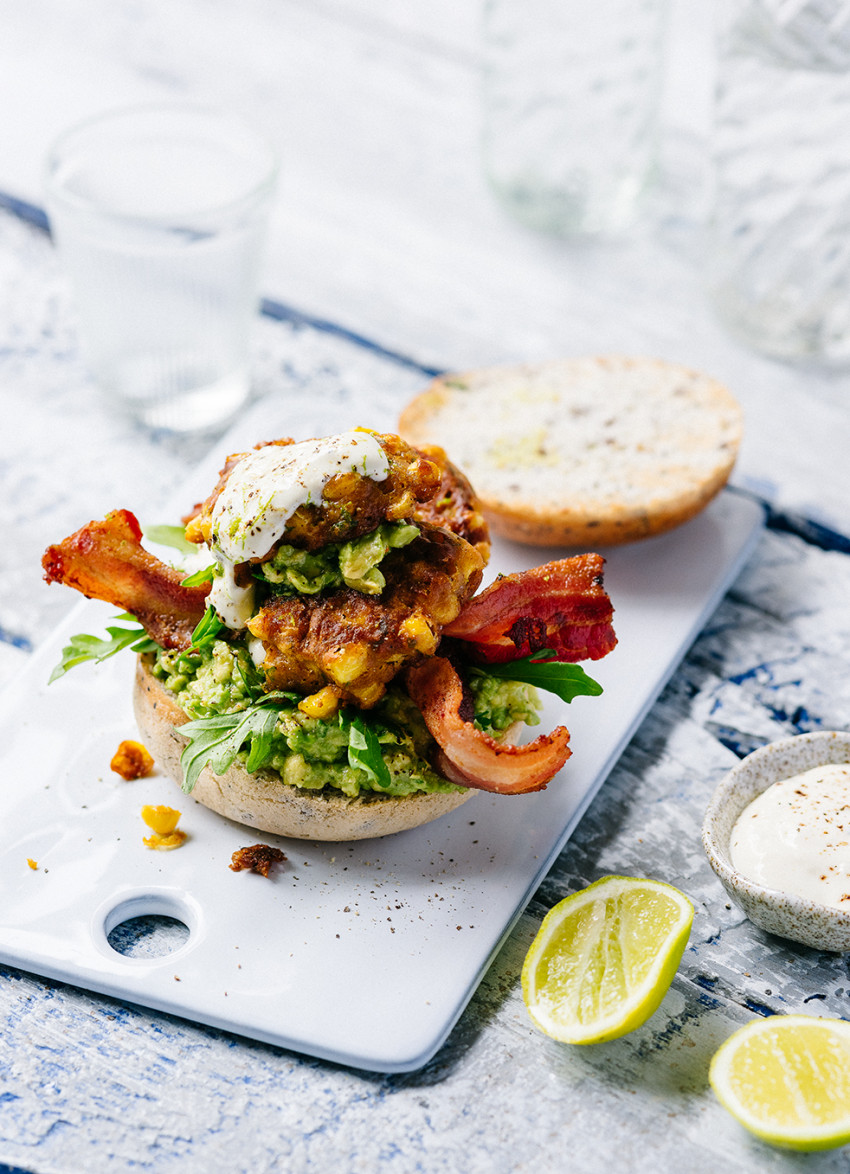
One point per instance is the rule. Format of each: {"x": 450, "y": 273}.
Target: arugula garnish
{"x": 207, "y": 629}
{"x": 205, "y": 575}
{"x": 173, "y": 536}
{"x": 83, "y": 647}
{"x": 218, "y": 739}
{"x": 252, "y": 679}
{"x": 554, "y": 676}
{"x": 364, "y": 752}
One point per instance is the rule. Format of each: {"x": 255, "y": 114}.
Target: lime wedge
{"x": 604, "y": 958}
{"x": 787, "y": 1080}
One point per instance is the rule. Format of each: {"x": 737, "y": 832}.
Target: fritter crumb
{"x": 132, "y": 761}
{"x": 256, "y": 858}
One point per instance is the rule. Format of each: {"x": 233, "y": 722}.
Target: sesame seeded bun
{"x": 262, "y": 800}
{"x": 583, "y": 452}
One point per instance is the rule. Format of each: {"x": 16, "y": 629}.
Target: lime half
{"x": 604, "y": 957}
{"x": 787, "y": 1080}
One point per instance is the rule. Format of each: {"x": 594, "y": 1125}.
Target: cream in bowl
{"x": 777, "y": 833}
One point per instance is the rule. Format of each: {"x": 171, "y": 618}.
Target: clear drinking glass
{"x": 570, "y": 109}
{"x": 779, "y": 241}
{"x": 159, "y": 213}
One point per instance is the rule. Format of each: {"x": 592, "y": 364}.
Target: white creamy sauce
{"x": 233, "y": 604}
{"x": 262, "y": 493}
{"x": 795, "y": 836}
{"x": 257, "y": 649}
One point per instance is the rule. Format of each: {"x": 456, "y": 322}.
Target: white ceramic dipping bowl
{"x": 797, "y": 918}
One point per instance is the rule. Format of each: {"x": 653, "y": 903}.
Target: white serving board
{"x": 364, "y": 954}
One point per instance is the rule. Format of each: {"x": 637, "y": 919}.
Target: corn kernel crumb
{"x": 322, "y": 704}
{"x": 166, "y": 842}
{"x": 163, "y": 823}
{"x": 132, "y": 761}
{"x": 160, "y": 819}
{"x": 32, "y": 863}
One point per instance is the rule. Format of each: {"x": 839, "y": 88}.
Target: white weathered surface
{"x": 384, "y": 227}
{"x": 384, "y": 223}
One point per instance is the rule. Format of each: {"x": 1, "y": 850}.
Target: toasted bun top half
{"x": 583, "y": 452}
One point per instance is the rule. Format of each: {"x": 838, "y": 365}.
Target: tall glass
{"x": 160, "y": 214}
{"x": 779, "y": 244}
{"x": 570, "y": 109}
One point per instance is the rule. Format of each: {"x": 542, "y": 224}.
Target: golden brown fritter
{"x": 357, "y": 643}
{"x": 454, "y": 506}
{"x": 352, "y": 506}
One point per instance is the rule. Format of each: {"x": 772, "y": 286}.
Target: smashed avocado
{"x": 314, "y": 753}
{"x": 355, "y": 564}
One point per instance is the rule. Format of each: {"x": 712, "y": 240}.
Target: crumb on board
{"x": 256, "y": 858}
{"x": 32, "y": 863}
{"x": 165, "y": 843}
{"x": 163, "y": 823}
{"x": 132, "y": 760}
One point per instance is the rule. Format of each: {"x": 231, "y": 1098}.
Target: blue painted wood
{"x": 23, "y": 209}
{"x": 298, "y": 318}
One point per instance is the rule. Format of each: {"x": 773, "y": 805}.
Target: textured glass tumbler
{"x": 570, "y": 109}
{"x": 159, "y": 213}
{"x": 779, "y": 240}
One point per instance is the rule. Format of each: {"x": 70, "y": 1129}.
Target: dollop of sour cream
{"x": 795, "y": 836}
{"x": 262, "y": 493}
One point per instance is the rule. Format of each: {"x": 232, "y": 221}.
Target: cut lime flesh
{"x": 787, "y": 1080}
{"x": 604, "y": 958}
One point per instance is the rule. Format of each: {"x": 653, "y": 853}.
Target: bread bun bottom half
{"x": 261, "y": 800}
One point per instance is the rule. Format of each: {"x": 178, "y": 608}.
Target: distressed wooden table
{"x": 388, "y": 261}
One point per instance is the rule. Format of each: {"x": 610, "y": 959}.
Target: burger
{"x": 318, "y": 660}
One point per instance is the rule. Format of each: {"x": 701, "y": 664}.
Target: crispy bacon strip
{"x": 561, "y": 605}
{"x": 467, "y": 755}
{"x": 105, "y": 560}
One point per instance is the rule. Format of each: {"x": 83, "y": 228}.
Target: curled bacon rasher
{"x": 106, "y": 560}
{"x": 561, "y": 605}
{"x": 467, "y": 755}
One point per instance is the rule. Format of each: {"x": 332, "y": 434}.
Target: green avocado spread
{"x": 312, "y": 752}
{"x": 355, "y": 564}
